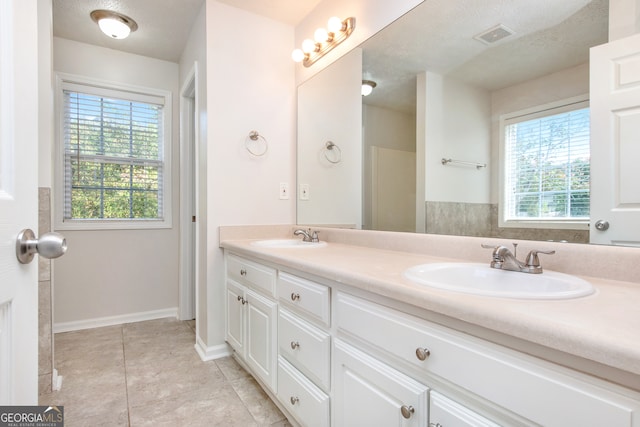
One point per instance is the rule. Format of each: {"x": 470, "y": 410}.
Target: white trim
{"x": 114, "y": 320}
{"x": 100, "y": 86}
{"x": 212, "y": 353}
{"x": 189, "y": 125}
{"x": 539, "y": 110}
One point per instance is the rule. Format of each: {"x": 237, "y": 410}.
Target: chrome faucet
{"x": 503, "y": 259}
{"x": 307, "y": 236}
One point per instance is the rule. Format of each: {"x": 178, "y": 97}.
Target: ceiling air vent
{"x": 494, "y": 34}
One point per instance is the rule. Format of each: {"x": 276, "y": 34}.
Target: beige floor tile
{"x": 171, "y": 376}
{"x": 263, "y": 410}
{"x": 149, "y": 374}
{"x": 231, "y": 369}
{"x": 220, "y": 407}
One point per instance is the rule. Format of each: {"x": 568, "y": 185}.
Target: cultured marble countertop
{"x": 603, "y": 327}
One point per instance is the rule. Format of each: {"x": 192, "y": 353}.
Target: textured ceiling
{"x": 164, "y": 25}
{"x": 549, "y": 35}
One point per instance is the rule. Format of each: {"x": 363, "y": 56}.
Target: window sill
{"x": 95, "y": 225}
{"x": 558, "y": 225}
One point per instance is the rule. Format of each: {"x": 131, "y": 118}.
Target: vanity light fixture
{"x": 367, "y": 87}
{"x": 114, "y": 24}
{"x": 324, "y": 40}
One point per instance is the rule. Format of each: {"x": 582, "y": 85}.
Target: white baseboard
{"x": 114, "y": 320}
{"x": 212, "y": 353}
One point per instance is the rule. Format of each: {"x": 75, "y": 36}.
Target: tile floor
{"x": 149, "y": 374}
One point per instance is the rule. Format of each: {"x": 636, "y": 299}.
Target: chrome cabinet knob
{"x": 422, "y": 353}
{"x": 294, "y": 345}
{"x": 243, "y": 272}
{"x": 294, "y": 296}
{"x": 602, "y": 225}
{"x": 294, "y": 400}
{"x": 407, "y": 411}
{"x": 50, "y": 245}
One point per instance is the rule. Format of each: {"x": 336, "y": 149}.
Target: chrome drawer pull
{"x": 243, "y": 272}
{"x": 422, "y": 353}
{"x": 239, "y": 298}
{"x": 294, "y": 345}
{"x": 294, "y": 400}
{"x": 294, "y": 296}
{"x": 407, "y": 411}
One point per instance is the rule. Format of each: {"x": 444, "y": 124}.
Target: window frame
{"x": 557, "y": 107}
{"x": 121, "y": 91}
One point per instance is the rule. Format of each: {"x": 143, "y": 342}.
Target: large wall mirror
{"x": 446, "y": 75}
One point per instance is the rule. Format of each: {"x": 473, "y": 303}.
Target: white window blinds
{"x": 113, "y": 157}
{"x": 547, "y": 165}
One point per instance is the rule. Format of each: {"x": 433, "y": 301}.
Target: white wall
{"x": 119, "y": 274}
{"x": 250, "y": 86}
{"x": 553, "y": 87}
{"x": 335, "y": 189}
{"x": 457, "y": 127}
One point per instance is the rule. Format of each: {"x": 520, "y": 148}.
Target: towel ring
{"x": 256, "y": 144}
{"x": 332, "y": 153}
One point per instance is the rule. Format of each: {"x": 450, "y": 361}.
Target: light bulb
{"x": 321, "y": 35}
{"x": 335, "y": 24}
{"x": 366, "y": 90}
{"x": 114, "y": 28}
{"x": 297, "y": 55}
{"x": 308, "y": 46}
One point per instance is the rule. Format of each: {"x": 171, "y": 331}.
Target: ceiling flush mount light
{"x": 367, "y": 87}
{"x": 114, "y": 24}
{"x": 324, "y": 40}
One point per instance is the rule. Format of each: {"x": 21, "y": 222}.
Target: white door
{"x": 615, "y": 142}
{"x": 18, "y": 200}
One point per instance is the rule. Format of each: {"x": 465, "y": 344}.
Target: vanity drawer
{"x": 539, "y": 391}
{"x": 306, "y": 296}
{"x": 306, "y": 347}
{"x": 252, "y": 274}
{"x": 306, "y": 402}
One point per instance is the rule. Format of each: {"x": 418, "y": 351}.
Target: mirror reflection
{"x": 450, "y": 77}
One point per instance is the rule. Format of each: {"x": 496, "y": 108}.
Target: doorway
{"x": 188, "y": 203}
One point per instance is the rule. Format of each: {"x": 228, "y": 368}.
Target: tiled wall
{"x": 481, "y": 220}
{"x": 45, "y": 341}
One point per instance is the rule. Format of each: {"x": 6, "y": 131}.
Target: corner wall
{"x": 250, "y": 82}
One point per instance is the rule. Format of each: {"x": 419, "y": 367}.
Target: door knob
{"x": 602, "y": 225}
{"x": 50, "y": 245}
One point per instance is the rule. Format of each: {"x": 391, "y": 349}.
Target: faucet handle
{"x": 314, "y": 237}
{"x": 533, "y": 260}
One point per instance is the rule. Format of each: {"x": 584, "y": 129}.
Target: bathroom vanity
{"x": 337, "y": 335}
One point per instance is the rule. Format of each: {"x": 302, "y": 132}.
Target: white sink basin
{"x": 287, "y": 243}
{"x": 480, "y": 279}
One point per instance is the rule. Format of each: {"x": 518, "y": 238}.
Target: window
{"x": 546, "y": 167}
{"x": 113, "y": 158}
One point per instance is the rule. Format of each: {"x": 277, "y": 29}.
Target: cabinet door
{"x": 261, "y": 342}
{"x": 370, "y": 393}
{"x": 235, "y": 316}
{"x": 445, "y": 412}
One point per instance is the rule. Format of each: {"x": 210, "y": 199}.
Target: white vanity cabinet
{"x": 251, "y": 321}
{"x": 337, "y": 356}
{"x": 304, "y": 348}
{"x": 535, "y": 391}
